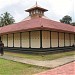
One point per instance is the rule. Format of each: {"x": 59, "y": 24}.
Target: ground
{"x": 13, "y": 67}
{"x": 8, "y": 67}
{"x": 68, "y": 69}
{"x": 42, "y": 57}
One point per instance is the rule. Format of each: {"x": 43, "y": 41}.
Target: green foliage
{"x": 73, "y": 23}
{"x": 66, "y": 19}
{"x": 6, "y": 19}
{"x": 8, "y": 67}
{"x": 41, "y": 56}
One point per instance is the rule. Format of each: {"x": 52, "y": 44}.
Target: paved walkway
{"x": 68, "y": 69}
{"x": 50, "y": 64}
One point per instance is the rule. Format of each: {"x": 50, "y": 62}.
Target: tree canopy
{"x": 73, "y": 23}
{"x": 6, "y": 19}
{"x": 66, "y": 19}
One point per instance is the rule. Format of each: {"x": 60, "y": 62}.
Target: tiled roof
{"x": 37, "y": 24}
{"x": 29, "y": 18}
{"x": 36, "y": 7}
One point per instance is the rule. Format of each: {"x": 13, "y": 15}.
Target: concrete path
{"x": 68, "y": 69}
{"x": 50, "y": 64}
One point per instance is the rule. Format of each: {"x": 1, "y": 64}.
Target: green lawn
{"x": 42, "y": 57}
{"x": 8, "y": 67}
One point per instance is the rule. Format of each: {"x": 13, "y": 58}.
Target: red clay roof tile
{"x": 35, "y": 24}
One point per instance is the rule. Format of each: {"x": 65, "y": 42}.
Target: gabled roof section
{"x": 37, "y": 24}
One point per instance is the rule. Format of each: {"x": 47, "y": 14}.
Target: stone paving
{"x": 50, "y": 64}
{"x": 67, "y": 69}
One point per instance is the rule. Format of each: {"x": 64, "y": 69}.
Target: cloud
{"x": 4, "y": 3}
{"x": 57, "y": 8}
{"x": 62, "y": 7}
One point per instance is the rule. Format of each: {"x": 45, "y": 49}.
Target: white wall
{"x": 61, "y": 39}
{"x": 17, "y": 40}
{"x": 35, "y": 39}
{"x": 67, "y": 39}
{"x": 4, "y": 40}
{"x": 46, "y": 39}
{"x": 10, "y": 40}
{"x": 72, "y": 39}
{"x": 54, "y": 39}
{"x": 25, "y": 39}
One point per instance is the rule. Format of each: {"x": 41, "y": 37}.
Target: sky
{"x": 56, "y": 8}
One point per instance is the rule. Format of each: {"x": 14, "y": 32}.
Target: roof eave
{"x": 36, "y": 8}
{"x": 38, "y": 28}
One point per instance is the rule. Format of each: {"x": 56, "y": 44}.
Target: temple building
{"x": 38, "y": 34}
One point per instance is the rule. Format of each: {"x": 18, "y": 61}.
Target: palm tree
{"x": 6, "y": 19}
{"x": 66, "y": 19}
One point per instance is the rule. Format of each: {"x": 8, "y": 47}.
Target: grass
{"x": 42, "y": 57}
{"x": 8, "y": 67}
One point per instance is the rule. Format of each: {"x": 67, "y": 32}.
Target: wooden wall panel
{"x": 25, "y": 39}
{"x": 61, "y": 39}
{"x": 17, "y": 40}
{"x": 67, "y": 39}
{"x": 10, "y": 40}
{"x": 54, "y": 39}
{"x": 72, "y": 39}
{"x": 46, "y": 39}
{"x": 35, "y": 39}
{"x": 4, "y": 40}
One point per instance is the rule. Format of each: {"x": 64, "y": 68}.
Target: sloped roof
{"x": 29, "y": 18}
{"x": 37, "y": 24}
{"x": 36, "y": 7}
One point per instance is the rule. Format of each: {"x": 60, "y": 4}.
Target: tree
{"x": 6, "y": 19}
{"x": 66, "y": 19}
{"x": 73, "y": 23}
